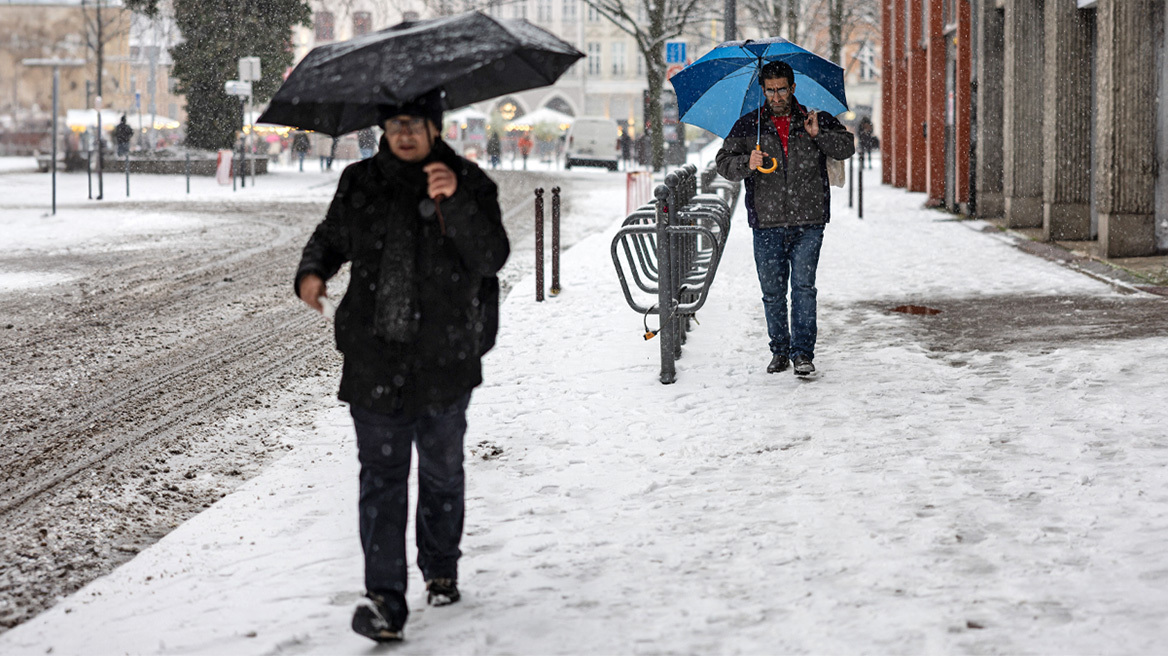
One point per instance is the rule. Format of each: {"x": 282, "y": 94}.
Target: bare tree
{"x": 662, "y": 20}
{"x": 101, "y": 28}
{"x": 838, "y": 21}
{"x": 769, "y": 15}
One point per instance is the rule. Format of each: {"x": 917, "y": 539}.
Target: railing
{"x": 671, "y": 248}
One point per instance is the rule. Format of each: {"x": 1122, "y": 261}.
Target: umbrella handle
{"x": 774, "y": 162}
{"x": 437, "y": 210}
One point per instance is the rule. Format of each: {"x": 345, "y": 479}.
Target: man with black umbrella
{"x": 423, "y": 231}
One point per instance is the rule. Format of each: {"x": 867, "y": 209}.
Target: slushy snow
{"x": 903, "y": 501}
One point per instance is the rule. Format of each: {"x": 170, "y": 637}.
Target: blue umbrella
{"x": 722, "y": 86}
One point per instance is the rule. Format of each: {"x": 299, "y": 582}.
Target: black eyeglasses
{"x": 782, "y": 93}
{"x": 414, "y": 124}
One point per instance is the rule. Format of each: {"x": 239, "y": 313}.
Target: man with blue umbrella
{"x": 780, "y": 152}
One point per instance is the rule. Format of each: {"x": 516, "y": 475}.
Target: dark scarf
{"x": 396, "y": 314}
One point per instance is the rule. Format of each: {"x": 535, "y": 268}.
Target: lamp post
{"x": 56, "y": 65}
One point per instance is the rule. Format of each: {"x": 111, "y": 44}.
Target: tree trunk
{"x": 793, "y": 21}
{"x": 835, "y": 29}
{"x": 655, "y": 74}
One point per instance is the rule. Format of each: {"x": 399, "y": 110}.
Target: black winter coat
{"x": 797, "y": 193}
{"x": 378, "y": 199}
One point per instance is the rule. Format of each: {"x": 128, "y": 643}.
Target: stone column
{"x": 1022, "y": 114}
{"x": 990, "y": 50}
{"x": 1066, "y": 126}
{"x": 1125, "y": 125}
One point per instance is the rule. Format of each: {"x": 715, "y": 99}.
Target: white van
{"x": 593, "y": 141}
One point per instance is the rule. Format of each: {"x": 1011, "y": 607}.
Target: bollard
{"x": 89, "y": 171}
{"x": 539, "y": 244}
{"x": 851, "y": 180}
{"x": 188, "y": 172}
{"x": 100, "y": 164}
{"x": 555, "y": 290}
{"x": 860, "y": 191}
{"x": 127, "y": 174}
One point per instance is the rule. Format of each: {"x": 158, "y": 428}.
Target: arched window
{"x": 560, "y": 105}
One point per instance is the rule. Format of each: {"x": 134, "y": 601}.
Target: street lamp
{"x": 56, "y": 64}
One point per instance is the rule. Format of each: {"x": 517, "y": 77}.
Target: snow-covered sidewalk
{"x": 906, "y": 500}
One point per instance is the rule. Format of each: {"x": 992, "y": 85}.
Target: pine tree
{"x": 216, "y": 34}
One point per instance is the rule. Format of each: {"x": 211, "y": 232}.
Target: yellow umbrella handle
{"x": 774, "y": 162}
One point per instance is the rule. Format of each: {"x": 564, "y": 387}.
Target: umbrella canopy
{"x": 722, "y": 85}
{"x": 541, "y": 116}
{"x": 336, "y": 88}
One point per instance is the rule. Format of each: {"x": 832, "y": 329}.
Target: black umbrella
{"x": 336, "y": 88}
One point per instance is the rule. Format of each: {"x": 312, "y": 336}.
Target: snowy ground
{"x": 968, "y": 482}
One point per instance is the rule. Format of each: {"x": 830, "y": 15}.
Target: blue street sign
{"x": 137, "y": 98}
{"x": 675, "y": 52}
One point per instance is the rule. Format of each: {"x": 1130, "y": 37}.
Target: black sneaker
{"x": 778, "y": 363}
{"x": 442, "y": 592}
{"x": 374, "y": 620}
{"x": 803, "y": 366}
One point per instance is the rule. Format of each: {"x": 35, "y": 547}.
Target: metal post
{"x": 860, "y": 192}
{"x": 555, "y": 290}
{"x": 188, "y": 171}
{"x": 851, "y": 180}
{"x": 242, "y": 142}
{"x": 127, "y": 173}
{"x": 539, "y": 244}
{"x": 666, "y": 331}
{"x": 673, "y": 182}
{"x": 56, "y": 65}
{"x": 89, "y": 169}
{"x": 100, "y": 147}
{"x": 56, "y": 90}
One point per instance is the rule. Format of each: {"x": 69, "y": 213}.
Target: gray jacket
{"x": 797, "y": 193}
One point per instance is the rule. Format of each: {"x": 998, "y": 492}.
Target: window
{"x": 568, "y": 11}
{"x": 640, "y": 64}
{"x": 593, "y": 58}
{"x": 362, "y": 23}
{"x": 618, "y": 58}
{"x": 325, "y": 23}
{"x": 593, "y": 15}
{"x": 495, "y": 8}
{"x": 519, "y": 9}
{"x": 543, "y": 11}
{"x": 867, "y": 60}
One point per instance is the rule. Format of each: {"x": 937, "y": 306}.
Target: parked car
{"x": 593, "y": 141}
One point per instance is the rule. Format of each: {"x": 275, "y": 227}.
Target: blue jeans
{"x": 383, "y": 448}
{"x": 781, "y": 255}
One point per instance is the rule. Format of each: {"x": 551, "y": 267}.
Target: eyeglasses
{"x": 782, "y": 93}
{"x": 414, "y": 124}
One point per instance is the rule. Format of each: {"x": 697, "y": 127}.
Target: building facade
{"x": 136, "y": 62}
{"x": 1044, "y": 113}
{"x": 609, "y": 82}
